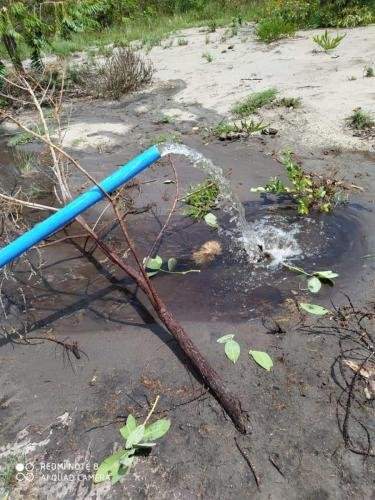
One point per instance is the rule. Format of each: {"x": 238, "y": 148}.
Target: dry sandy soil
{"x": 53, "y": 412}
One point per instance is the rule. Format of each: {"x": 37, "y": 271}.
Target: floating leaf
{"x": 225, "y": 338}
{"x": 232, "y": 350}
{"x": 211, "y": 220}
{"x": 326, "y": 275}
{"x": 154, "y": 264}
{"x": 262, "y": 359}
{"x": 172, "y": 262}
{"x": 314, "y": 284}
{"x": 109, "y": 466}
{"x": 157, "y": 429}
{"x": 314, "y": 309}
{"x": 135, "y": 437}
{"x": 130, "y": 426}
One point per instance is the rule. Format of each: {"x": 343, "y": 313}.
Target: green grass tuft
{"x": 290, "y": 102}
{"x": 254, "y": 102}
{"x": 360, "y": 120}
{"x": 274, "y": 28}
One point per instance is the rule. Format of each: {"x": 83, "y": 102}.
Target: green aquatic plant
{"x": 154, "y": 266}
{"x": 202, "y": 199}
{"x": 308, "y": 190}
{"x": 315, "y": 279}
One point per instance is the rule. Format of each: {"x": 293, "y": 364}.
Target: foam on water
{"x": 259, "y": 239}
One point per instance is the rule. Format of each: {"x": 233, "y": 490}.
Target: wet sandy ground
{"x": 295, "y": 447}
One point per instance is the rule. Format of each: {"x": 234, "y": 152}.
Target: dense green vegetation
{"x": 29, "y": 28}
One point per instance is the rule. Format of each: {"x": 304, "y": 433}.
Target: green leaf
{"x": 225, "y": 338}
{"x": 130, "y": 426}
{"x": 172, "y": 262}
{"x": 211, "y": 220}
{"x": 314, "y": 309}
{"x": 154, "y": 264}
{"x": 157, "y": 429}
{"x": 109, "y": 466}
{"x": 262, "y": 359}
{"x": 326, "y": 274}
{"x": 232, "y": 350}
{"x": 135, "y": 437}
{"x": 314, "y": 284}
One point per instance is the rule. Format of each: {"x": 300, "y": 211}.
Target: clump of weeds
{"x": 274, "y": 28}
{"x": 360, "y": 120}
{"x": 308, "y": 190}
{"x": 253, "y": 102}
{"x": 202, "y": 199}
{"x": 181, "y": 42}
{"x": 236, "y": 130}
{"x": 369, "y": 72}
{"x": 289, "y": 102}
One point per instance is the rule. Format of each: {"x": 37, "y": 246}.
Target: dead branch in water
{"x": 138, "y": 273}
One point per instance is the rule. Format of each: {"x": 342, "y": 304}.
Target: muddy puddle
{"x": 78, "y": 289}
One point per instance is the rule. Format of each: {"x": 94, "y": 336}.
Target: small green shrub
{"x": 289, "y": 102}
{"x": 274, "y": 28}
{"x": 209, "y": 57}
{"x": 360, "y": 120}
{"x": 244, "y": 127}
{"x": 254, "y": 102}
{"x": 369, "y": 72}
{"x": 326, "y": 42}
{"x": 202, "y": 199}
{"x": 309, "y": 191}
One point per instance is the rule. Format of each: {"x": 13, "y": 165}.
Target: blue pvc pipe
{"x": 77, "y": 206}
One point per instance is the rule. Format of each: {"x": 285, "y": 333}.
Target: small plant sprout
{"x": 154, "y": 266}
{"x": 308, "y": 190}
{"x": 209, "y": 57}
{"x": 326, "y": 42}
{"x": 369, "y": 72}
{"x": 360, "y": 120}
{"x": 181, "y": 42}
{"x": 232, "y": 348}
{"x": 314, "y": 309}
{"x": 262, "y": 359}
{"x": 315, "y": 279}
{"x": 137, "y": 437}
{"x": 289, "y": 102}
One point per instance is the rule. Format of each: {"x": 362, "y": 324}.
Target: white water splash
{"x": 261, "y": 240}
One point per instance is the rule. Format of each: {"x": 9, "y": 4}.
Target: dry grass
{"x": 124, "y": 72}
